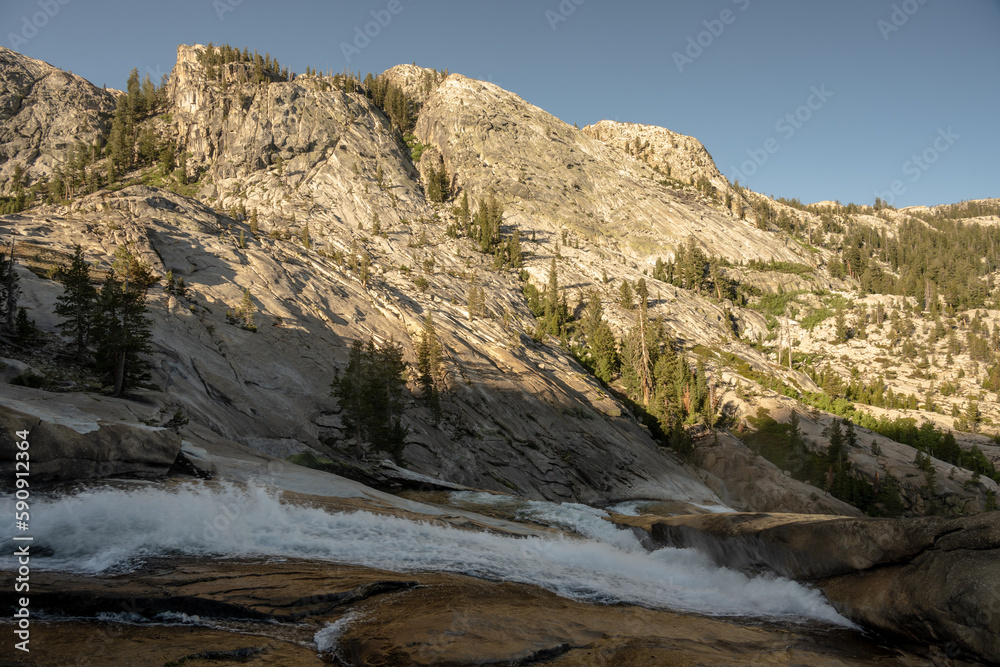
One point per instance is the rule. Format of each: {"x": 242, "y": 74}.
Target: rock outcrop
{"x": 44, "y": 113}
{"x": 750, "y": 483}
{"x": 299, "y": 613}
{"x": 929, "y": 579}
{"x": 674, "y": 155}
{"x": 80, "y": 438}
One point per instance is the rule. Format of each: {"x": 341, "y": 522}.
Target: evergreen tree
{"x": 840, "y": 335}
{"x": 77, "y": 302}
{"x": 604, "y": 351}
{"x": 554, "y": 312}
{"x": 515, "y": 258}
{"x": 25, "y": 331}
{"x": 429, "y": 367}
{"x": 850, "y": 435}
{"x": 593, "y": 314}
{"x": 121, "y": 141}
{"x": 132, "y": 269}
{"x": 246, "y": 311}
{"x": 437, "y": 184}
{"x": 625, "y": 295}
{"x": 973, "y": 416}
{"x": 642, "y": 292}
{"x": 486, "y": 224}
{"x": 835, "y": 452}
{"x": 463, "y": 214}
{"x": 370, "y": 393}
{"x": 121, "y": 334}
{"x": 10, "y": 289}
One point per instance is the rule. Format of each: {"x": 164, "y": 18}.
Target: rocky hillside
{"x": 554, "y": 178}
{"x": 312, "y": 195}
{"x": 44, "y": 114}
{"x": 673, "y": 155}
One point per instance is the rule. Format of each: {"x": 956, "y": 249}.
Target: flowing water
{"x": 114, "y": 529}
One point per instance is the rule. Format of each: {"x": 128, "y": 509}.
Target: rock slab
{"x": 63, "y": 450}
{"x": 930, "y": 579}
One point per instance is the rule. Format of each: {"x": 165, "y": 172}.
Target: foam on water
{"x": 104, "y": 529}
{"x": 327, "y": 637}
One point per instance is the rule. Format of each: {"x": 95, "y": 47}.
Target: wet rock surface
{"x": 269, "y": 613}
{"x": 929, "y": 579}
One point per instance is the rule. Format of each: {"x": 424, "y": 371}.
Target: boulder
{"x": 77, "y": 449}
{"x": 929, "y": 579}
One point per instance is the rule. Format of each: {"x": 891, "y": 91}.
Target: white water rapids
{"x": 112, "y": 529}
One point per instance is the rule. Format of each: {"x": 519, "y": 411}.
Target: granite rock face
{"x": 750, "y": 483}
{"x": 674, "y": 155}
{"x": 929, "y": 579}
{"x": 554, "y": 177}
{"x": 71, "y": 442}
{"x": 516, "y": 415}
{"x": 44, "y": 113}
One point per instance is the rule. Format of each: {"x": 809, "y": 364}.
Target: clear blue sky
{"x": 923, "y": 83}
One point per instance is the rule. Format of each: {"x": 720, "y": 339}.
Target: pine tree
{"x": 840, "y": 335}
{"x": 121, "y": 333}
{"x": 132, "y": 269}
{"x": 10, "y": 289}
{"x": 429, "y": 367}
{"x": 515, "y": 257}
{"x": 593, "y": 314}
{"x": 973, "y": 416}
{"x": 850, "y": 435}
{"x": 463, "y": 214}
{"x": 642, "y": 292}
{"x": 434, "y": 186}
{"x": 553, "y": 310}
{"x": 486, "y": 223}
{"x": 444, "y": 183}
{"x": 76, "y": 305}
{"x": 604, "y": 351}
{"x": 25, "y": 331}
{"x": 121, "y": 140}
{"x": 370, "y": 394}
{"x": 835, "y": 452}
{"x": 246, "y": 311}
{"x": 625, "y": 295}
